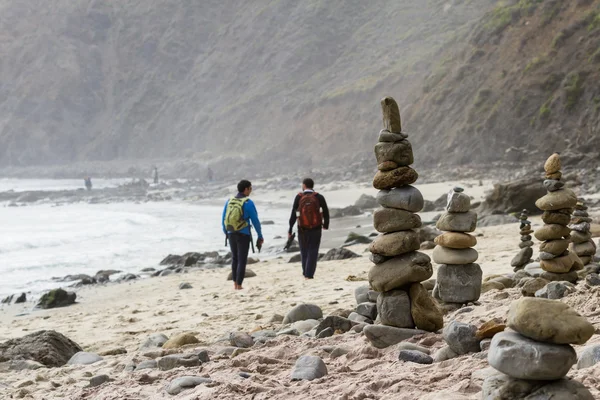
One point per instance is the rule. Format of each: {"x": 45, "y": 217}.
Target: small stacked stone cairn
{"x": 403, "y": 302}
{"x": 458, "y": 277}
{"x": 538, "y": 355}
{"x": 524, "y": 256}
{"x": 555, "y": 258}
{"x": 583, "y": 245}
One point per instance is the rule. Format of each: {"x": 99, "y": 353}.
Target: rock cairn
{"x": 403, "y": 302}
{"x": 581, "y": 237}
{"x": 555, "y": 259}
{"x": 524, "y": 256}
{"x": 538, "y": 355}
{"x": 458, "y": 277}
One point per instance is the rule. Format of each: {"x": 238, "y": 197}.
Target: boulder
{"x": 523, "y": 358}
{"x": 302, "y": 312}
{"x": 56, "y": 298}
{"x": 394, "y": 309}
{"x": 457, "y": 222}
{"x": 399, "y": 271}
{"x": 406, "y": 198}
{"x": 514, "y": 196}
{"x": 395, "y": 243}
{"x": 49, "y": 348}
{"x": 366, "y": 202}
{"x": 548, "y": 321}
{"x": 382, "y": 336}
{"x": 309, "y": 368}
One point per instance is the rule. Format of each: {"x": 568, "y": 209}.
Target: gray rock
{"x": 84, "y": 358}
{"x": 20, "y": 365}
{"x": 485, "y": 344}
{"x": 327, "y": 332}
{"x": 523, "y": 358}
{"x": 288, "y": 331}
{"x": 443, "y": 354}
{"x": 373, "y": 295}
{"x": 445, "y": 255}
{"x": 458, "y": 202}
{"x": 394, "y": 309}
{"x": 336, "y": 323}
{"x": 166, "y": 272}
{"x": 461, "y": 337}
{"x": 361, "y": 294}
{"x": 552, "y": 185}
{"x": 592, "y": 279}
{"x": 415, "y": 357}
{"x": 457, "y": 222}
{"x": 406, "y": 198}
{"x": 359, "y": 318}
{"x": 241, "y": 339}
{"x": 522, "y": 257}
{"x": 382, "y": 336}
{"x": 148, "y": 364}
{"x": 56, "y": 298}
{"x": 99, "y": 380}
{"x": 338, "y": 352}
{"x": 185, "y": 285}
{"x": 568, "y": 277}
{"x": 303, "y": 312}
{"x": 309, "y": 368}
{"x": 368, "y": 310}
{"x": 545, "y": 255}
{"x": 365, "y": 201}
{"x": 459, "y": 283}
{"x": 305, "y": 326}
{"x": 185, "y": 382}
{"x": 400, "y": 271}
{"x": 378, "y": 258}
{"x": 504, "y": 387}
{"x": 153, "y": 341}
{"x": 178, "y": 360}
{"x": 553, "y": 291}
{"x": 263, "y": 334}
{"x": 534, "y": 269}
{"x": 49, "y": 348}
{"x": 589, "y": 356}
{"x": 338, "y": 254}
{"x": 21, "y": 299}
{"x": 412, "y": 346}
{"x": 528, "y": 243}
{"x": 276, "y": 318}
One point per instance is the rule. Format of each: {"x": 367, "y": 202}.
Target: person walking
{"x": 311, "y": 212}
{"x": 239, "y": 216}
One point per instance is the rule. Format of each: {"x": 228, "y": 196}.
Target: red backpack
{"x": 310, "y": 211}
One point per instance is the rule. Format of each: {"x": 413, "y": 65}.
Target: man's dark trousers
{"x": 239, "y": 244}
{"x": 309, "y": 241}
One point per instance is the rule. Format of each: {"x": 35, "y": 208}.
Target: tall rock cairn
{"x": 583, "y": 245}
{"x": 524, "y": 256}
{"x": 458, "y": 278}
{"x": 403, "y": 302}
{"x": 537, "y": 356}
{"x": 555, "y": 235}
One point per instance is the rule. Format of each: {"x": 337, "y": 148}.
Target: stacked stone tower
{"x": 583, "y": 245}
{"x": 399, "y": 268}
{"x": 524, "y": 256}
{"x": 538, "y": 355}
{"x": 458, "y": 278}
{"x": 555, "y": 235}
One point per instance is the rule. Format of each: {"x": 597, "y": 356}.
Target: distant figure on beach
{"x": 210, "y": 174}
{"x": 155, "y": 175}
{"x": 239, "y": 215}
{"x": 310, "y": 209}
{"x": 88, "y": 182}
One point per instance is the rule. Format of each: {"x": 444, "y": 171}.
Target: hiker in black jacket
{"x": 310, "y": 209}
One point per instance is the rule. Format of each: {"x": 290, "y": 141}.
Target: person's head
{"x": 308, "y": 183}
{"x": 244, "y": 187}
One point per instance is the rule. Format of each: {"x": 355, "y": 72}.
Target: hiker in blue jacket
{"x": 239, "y": 216}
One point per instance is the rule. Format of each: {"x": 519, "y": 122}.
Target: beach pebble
{"x": 523, "y": 358}
{"x": 504, "y": 387}
{"x": 534, "y": 269}
{"x": 399, "y": 271}
{"x": 178, "y": 360}
{"x": 461, "y": 337}
{"x": 338, "y": 324}
{"x": 458, "y": 283}
{"x": 415, "y": 357}
{"x": 443, "y": 354}
{"x": 548, "y": 321}
{"x": 241, "y": 339}
{"x": 154, "y": 340}
{"x": 406, "y": 198}
{"x": 412, "y": 346}
{"x": 180, "y": 340}
{"x": 148, "y": 364}
{"x": 424, "y": 310}
{"x": 457, "y": 222}
{"x": 288, "y": 331}
{"x": 382, "y": 336}
{"x": 532, "y": 285}
{"x": 444, "y": 255}
{"x": 361, "y": 294}
{"x": 359, "y": 318}
{"x": 305, "y": 326}
{"x": 180, "y": 384}
{"x": 338, "y": 352}
{"x": 394, "y": 309}
{"x": 276, "y": 319}
{"x": 593, "y": 279}
{"x": 84, "y": 358}
{"x": 185, "y": 285}
{"x": 99, "y": 380}
{"x": 327, "y": 332}
{"x": 553, "y": 290}
{"x": 303, "y": 312}
{"x": 589, "y": 356}
{"x": 484, "y": 345}
{"x": 368, "y": 310}
{"x": 309, "y": 368}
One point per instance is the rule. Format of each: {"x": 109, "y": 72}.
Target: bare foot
{"x": 235, "y": 286}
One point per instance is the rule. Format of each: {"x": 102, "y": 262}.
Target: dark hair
{"x": 243, "y": 185}
{"x": 309, "y": 183}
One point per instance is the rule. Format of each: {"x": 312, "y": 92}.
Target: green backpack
{"x": 234, "y": 216}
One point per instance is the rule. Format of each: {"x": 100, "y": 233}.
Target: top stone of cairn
{"x": 391, "y": 115}
{"x": 552, "y": 164}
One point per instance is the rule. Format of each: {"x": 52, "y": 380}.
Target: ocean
{"x": 39, "y": 242}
